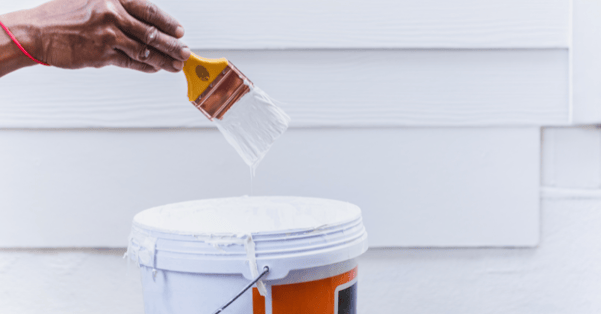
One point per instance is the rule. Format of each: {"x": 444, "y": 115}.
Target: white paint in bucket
{"x": 199, "y": 249}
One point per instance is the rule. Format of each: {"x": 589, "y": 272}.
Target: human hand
{"x": 133, "y": 34}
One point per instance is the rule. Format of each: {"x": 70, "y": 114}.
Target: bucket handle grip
{"x": 265, "y": 271}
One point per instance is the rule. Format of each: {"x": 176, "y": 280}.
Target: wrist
{"x": 23, "y": 27}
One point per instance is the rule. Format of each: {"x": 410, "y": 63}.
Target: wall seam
{"x": 571, "y": 63}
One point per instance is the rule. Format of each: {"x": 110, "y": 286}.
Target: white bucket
{"x": 196, "y": 256}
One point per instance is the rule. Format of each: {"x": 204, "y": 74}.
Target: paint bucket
{"x": 197, "y": 256}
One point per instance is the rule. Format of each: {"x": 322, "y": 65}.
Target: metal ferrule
{"x": 223, "y": 92}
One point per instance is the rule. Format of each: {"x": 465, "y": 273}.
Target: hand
{"x": 133, "y": 34}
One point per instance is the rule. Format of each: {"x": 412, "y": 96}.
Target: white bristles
{"x": 252, "y": 125}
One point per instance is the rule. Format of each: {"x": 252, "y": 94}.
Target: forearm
{"x": 22, "y": 26}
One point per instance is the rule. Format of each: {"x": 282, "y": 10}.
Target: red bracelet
{"x": 21, "y": 47}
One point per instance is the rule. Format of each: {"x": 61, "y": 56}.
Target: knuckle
{"x": 151, "y": 11}
{"x": 109, "y": 37}
{"x": 108, "y": 17}
{"x": 143, "y": 53}
{"x": 151, "y": 35}
{"x": 170, "y": 24}
{"x": 172, "y": 45}
{"x": 108, "y": 12}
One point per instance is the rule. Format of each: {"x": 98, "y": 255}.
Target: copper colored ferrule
{"x": 223, "y": 92}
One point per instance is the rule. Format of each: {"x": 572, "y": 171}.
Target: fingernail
{"x": 146, "y": 53}
{"x": 178, "y": 65}
{"x": 186, "y": 53}
{"x": 179, "y": 32}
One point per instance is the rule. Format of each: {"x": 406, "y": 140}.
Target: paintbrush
{"x": 245, "y": 115}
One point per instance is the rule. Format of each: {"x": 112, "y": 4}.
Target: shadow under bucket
{"x": 196, "y": 256}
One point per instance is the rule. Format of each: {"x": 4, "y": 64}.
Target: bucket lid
{"x": 239, "y": 235}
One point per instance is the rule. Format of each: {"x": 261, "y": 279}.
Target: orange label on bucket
{"x": 333, "y": 295}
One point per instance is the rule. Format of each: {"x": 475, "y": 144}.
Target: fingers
{"x": 144, "y": 54}
{"x": 148, "y": 12}
{"x": 153, "y": 37}
{"x": 120, "y": 59}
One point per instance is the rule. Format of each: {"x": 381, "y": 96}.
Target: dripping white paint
{"x": 252, "y": 125}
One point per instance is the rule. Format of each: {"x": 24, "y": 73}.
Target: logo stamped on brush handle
{"x": 202, "y": 73}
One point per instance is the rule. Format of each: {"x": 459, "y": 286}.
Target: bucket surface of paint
{"x": 195, "y": 256}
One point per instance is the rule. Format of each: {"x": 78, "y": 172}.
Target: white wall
{"x": 318, "y": 88}
{"x": 480, "y": 99}
{"x": 417, "y": 186}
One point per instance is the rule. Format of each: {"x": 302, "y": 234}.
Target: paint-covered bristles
{"x": 252, "y": 125}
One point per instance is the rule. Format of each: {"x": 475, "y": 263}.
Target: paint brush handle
{"x": 201, "y": 72}
{"x": 214, "y": 85}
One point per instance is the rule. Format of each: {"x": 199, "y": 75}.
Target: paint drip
{"x": 252, "y": 125}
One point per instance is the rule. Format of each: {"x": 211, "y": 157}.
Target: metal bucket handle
{"x": 265, "y": 271}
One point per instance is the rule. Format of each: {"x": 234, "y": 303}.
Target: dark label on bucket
{"x": 333, "y": 295}
{"x": 347, "y": 299}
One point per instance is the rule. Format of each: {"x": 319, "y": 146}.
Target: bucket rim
{"x": 138, "y": 224}
{"x": 238, "y": 253}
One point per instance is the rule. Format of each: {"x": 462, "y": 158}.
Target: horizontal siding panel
{"x": 317, "y": 88}
{"x": 273, "y": 24}
{"x": 586, "y": 62}
{"x": 442, "y": 187}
